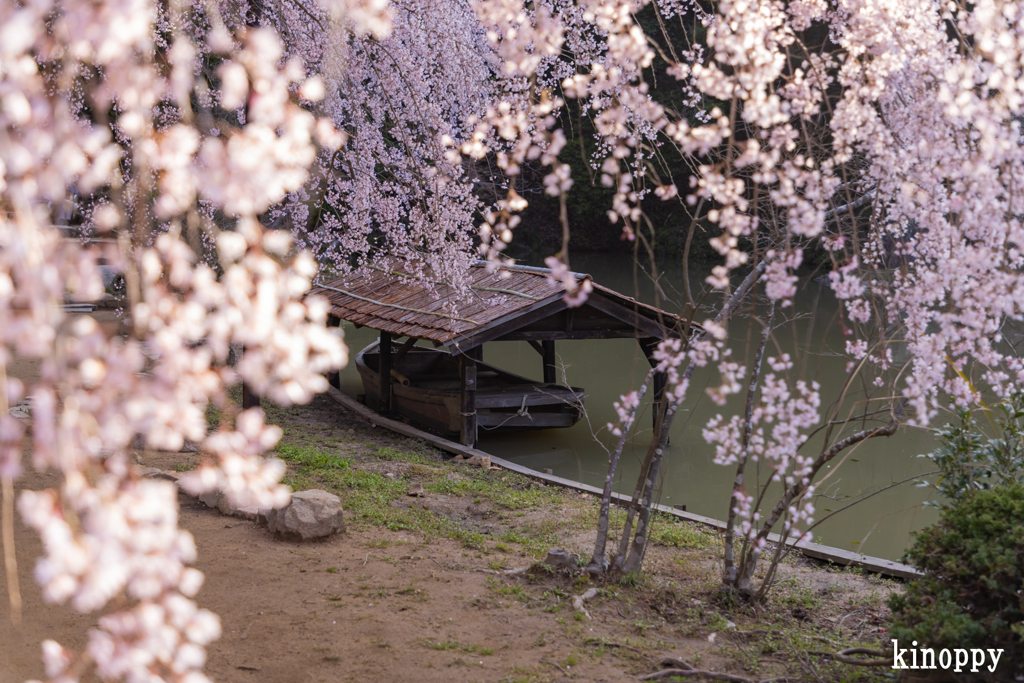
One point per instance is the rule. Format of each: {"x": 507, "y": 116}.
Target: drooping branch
{"x": 798, "y": 488}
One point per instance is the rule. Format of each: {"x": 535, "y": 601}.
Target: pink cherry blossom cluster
{"x": 626, "y": 408}
{"x": 391, "y": 187}
{"x": 670, "y": 355}
{"x": 744, "y": 58}
{"x": 111, "y": 107}
{"x": 576, "y": 289}
{"x": 774, "y": 437}
{"x": 933, "y": 103}
{"x": 896, "y": 146}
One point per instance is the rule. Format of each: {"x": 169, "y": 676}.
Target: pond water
{"x": 606, "y": 369}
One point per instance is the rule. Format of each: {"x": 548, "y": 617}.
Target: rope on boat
{"x": 522, "y": 412}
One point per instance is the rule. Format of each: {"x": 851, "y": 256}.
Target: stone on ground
{"x": 216, "y": 499}
{"x": 211, "y": 499}
{"x": 560, "y": 559}
{"x": 310, "y": 514}
{"x": 156, "y": 473}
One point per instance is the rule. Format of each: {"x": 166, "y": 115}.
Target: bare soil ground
{"x": 410, "y": 592}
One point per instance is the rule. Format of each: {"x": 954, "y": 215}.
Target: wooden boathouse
{"x": 525, "y": 304}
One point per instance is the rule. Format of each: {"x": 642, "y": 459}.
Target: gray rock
{"x": 310, "y": 514}
{"x": 560, "y": 558}
{"x": 156, "y": 473}
{"x": 138, "y": 443}
{"x": 226, "y": 508}
{"x": 22, "y": 409}
{"x": 212, "y": 499}
{"x": 216, "y": 499}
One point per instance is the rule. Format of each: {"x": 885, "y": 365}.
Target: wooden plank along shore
{"x": 817, "y": 551}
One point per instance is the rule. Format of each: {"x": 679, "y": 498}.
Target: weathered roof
{"x": 519, "y": 306}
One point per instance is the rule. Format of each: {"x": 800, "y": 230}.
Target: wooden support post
{"x": 249, "y": 399}
{"x": 550, "y": 376}
{"x": 334, "y": 378}
{"x": 409, "y": 343}
{"x": 384, "y": 388}
{"x": 660, "y": 380}
{"x": 467, "y": 367}
{"x": 648, "y": 345}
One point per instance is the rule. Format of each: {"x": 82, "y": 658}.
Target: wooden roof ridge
{"x": 585, "y": 276}
{"x": 390, "y": 299}
{"x": 475, "y": 264}
{"x": 401, "y": 308}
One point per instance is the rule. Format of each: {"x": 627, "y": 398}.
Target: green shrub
{"x": 972, "y": 592}
{"x": 970, "y": 460}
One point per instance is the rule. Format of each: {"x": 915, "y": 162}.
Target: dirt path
{"x": 366, "y": 606}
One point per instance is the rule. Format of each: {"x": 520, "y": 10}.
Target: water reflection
{"x": 608, "y": 368}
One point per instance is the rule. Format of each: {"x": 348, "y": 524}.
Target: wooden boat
{"x": 426, "y": 388}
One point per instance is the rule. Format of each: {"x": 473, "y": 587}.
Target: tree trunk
{"x": 598, "y": 558}
{"x": 643, "y": 494}
{"x": 729, "y": 573}
{"x": 659, "y": 444}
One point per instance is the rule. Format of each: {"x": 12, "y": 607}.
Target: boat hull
{"x": 429, "y": 393}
